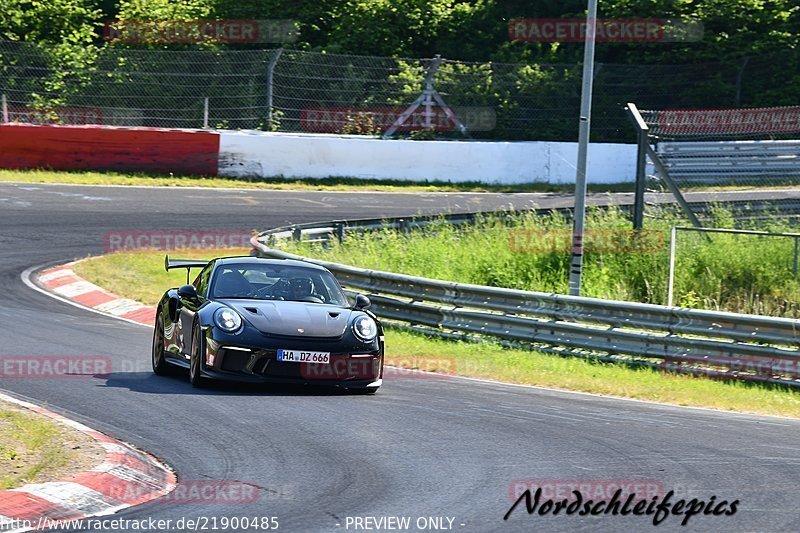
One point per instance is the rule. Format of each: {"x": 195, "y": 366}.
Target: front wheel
{"x": 196, "y": 359}
{"x": 160, "y": 365}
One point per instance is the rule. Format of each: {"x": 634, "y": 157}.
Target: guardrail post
{"x": 641, "y": 178}
{"x": 339, "y": 232}
{"x": 297, "y": 234}
{"x": 672, "y": 236}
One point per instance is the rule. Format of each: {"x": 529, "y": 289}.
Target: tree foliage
{"x": 457, "y": 29}
{"x": 752, "y": 48}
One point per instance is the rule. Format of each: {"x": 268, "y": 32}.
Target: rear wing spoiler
{"x": 188, "y": 264}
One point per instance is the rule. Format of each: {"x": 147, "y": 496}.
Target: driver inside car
{"x": 301, "y": 288}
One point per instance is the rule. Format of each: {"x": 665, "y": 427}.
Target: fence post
{"x": 641, "y": 164}
{"x": 340, "y": 232}
{"x": 205, "y": 113}
{"x": 672, "y": 237}
{"x": 270, "y": 75}
{"x": 5, "y": 109}
{"x": 796, "y": 255}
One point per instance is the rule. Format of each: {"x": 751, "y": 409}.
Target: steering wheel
{"x": 314, "y": 299}
{"x": 268, "y": 292}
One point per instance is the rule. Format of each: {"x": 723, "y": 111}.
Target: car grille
{"x": 265, "y": 363}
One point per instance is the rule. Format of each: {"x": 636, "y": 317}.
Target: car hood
{"x": 297, "y": 319}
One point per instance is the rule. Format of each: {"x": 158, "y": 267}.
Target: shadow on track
{"x": 148, "y": 383}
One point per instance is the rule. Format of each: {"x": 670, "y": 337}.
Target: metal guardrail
{"x": 731, "y": 161}
{"x": 718, "y": 344}
{"x": 338, "y": 229}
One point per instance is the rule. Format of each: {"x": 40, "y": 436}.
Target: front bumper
{"x": 353, "y": 364}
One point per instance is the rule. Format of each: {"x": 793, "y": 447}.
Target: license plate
{"x": 299, "y": 356}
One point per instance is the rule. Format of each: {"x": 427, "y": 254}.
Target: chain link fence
{"x": 300, "y": 91}
{"x": 747, "y": 157}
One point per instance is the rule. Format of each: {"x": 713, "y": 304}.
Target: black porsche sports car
{"x": 254, "y": 319}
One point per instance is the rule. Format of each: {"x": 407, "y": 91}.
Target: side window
{"x": 201, "y": 282}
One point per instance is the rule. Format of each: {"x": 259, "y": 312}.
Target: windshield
{"x": 277, "y": 282}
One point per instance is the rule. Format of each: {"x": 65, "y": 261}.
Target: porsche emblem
{"x": 300, "y": 330}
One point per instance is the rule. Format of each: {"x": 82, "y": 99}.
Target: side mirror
{"x": 187, "y": 292}
{"x": 362, "y": 302}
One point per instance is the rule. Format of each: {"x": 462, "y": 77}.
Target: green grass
{"x": 309, "y": 184}
{"x": 140, "y": 275}
{"x": 723, "y": 272}
{"x": 324, "y": 184}
{"x": 495, "y": 362}
{"x": 30, "y": 446}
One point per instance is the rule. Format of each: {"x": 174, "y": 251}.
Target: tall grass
{"x": 735, "y": 273}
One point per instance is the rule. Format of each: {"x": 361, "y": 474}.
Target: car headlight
{"x": 365, "y": 328}
{"x": 227, "y": 319}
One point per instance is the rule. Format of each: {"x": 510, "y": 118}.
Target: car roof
{"x": 250, "y": 260}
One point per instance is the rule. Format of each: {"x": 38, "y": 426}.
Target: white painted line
{"x": 113, "y": 447}
{"x": 597, "y": 395}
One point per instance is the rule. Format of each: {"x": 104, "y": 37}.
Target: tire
{"x": 160, "y": 366}
{"x": 196, "y": 360}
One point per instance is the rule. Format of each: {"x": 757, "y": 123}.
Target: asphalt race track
{"x": 431, "y": 447}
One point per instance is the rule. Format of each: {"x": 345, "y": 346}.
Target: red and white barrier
{"x": 256, "y": 154}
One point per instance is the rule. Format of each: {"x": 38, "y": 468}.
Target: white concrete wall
{"x": 260, "y": 154}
